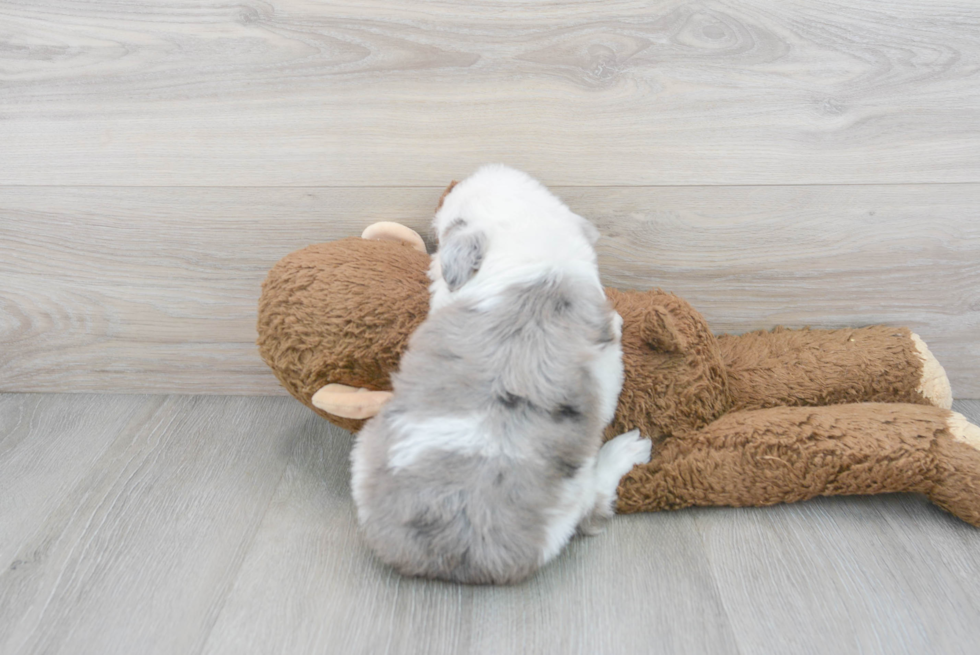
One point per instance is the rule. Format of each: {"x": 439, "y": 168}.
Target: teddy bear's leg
{"x": 786, "y": 454}
{"x": 825, "y": 367}
{"x": 958, "y": 488}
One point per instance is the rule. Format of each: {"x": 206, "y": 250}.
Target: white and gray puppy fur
{"x": 489, "y": 455}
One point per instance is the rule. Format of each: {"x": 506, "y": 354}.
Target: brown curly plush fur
{"x": 755, "y": 419}
{"x": 786, "y": 454}
{"x": 341, "y": 312}
{"x": 831, "y": 367}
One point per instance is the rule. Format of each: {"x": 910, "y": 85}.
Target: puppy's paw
{"x": 620, "y": 454}
{"x": 595, "y": 523}
{"x": 616, "y": 458}
{"x": 616, "y": 325}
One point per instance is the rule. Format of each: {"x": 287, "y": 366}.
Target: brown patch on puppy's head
{"x": 446, "y": 193}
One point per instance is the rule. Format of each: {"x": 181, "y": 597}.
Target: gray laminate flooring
{"x": 212, "y": 524}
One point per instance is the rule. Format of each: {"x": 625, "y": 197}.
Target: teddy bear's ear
{"x": 660, "y": 331}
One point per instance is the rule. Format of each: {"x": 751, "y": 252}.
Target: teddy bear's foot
{"x": 964, "y": 431}
{"x": 958, "y": 489}
{"x": 933, "y": 385}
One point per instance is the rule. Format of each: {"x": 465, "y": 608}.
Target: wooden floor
{"x": 217, "y": 524}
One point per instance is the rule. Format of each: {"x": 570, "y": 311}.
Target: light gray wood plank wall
{"x": 152, "y": 524}
{"x": 155, "y": 289}
{"x": 379, "y": 93}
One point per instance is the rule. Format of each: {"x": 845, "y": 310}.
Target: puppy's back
{"x": 494, "y": 407}
{"x": 456, "y": 516}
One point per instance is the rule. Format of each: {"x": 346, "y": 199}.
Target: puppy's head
{"x": 502, "y": 217}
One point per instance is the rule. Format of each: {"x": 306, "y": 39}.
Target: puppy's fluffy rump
{"x": 463, "y": 465}
{"x": 484, "y": 462}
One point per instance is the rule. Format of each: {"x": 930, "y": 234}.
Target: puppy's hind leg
{"x": 439, "y": 294}
{"x": 588, "y": 498}
{"x": 617, "y": 457}
{"x": 608, "y": 370}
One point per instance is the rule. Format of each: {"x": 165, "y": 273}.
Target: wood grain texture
{"x": 155, "y": 289}
{"x": 378, "y": 93}
{"x": 38, "y": 475}
{"x": 225, "y": 525}
{"x": 131, "y": 516}
{"x": 799, "y": 579}
{"x": 310, "y": 586}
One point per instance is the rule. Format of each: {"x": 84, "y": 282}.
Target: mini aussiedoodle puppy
{"x": 489, "y": 455}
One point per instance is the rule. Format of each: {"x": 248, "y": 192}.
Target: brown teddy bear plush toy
{"x": 756, "y": 419}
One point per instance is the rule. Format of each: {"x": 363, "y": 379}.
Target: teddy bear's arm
{"x": 786, "y": 454}
{"x": 826, "y": 367}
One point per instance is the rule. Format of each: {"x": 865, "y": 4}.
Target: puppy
{"x": 489, "y": 454}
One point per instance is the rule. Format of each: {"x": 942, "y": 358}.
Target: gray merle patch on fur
{"x": 509, "y": 400}
{"x": 567, "y": 413}
{"x": 425, "y": 524}
{"x": 460, "y": 256}
{"x": 567, "y": 468}
{"x": 607, "y": 334}
{"x": 513, "y": 401}
{"x": 445, "y": 353}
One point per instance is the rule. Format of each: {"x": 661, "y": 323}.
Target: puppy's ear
{"x": 591, "y": 231}
{"x": 460, "y": 256}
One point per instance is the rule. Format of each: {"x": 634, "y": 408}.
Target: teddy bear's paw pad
{"x": 934, "y": 384}
{"x": 620, "y": 454}
{"x": 349, "y": 402}
{"x": 963, "y": 431}
{"x": 389, "y": 231}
